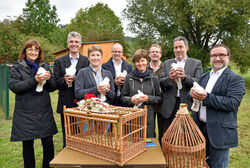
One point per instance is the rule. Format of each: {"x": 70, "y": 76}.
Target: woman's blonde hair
{"x": 94, "y": 48}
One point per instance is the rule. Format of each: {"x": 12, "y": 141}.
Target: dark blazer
{"x": 222, "y": 107}
{"x": 193, "y": 70}
{"x": 66, "y": 94}
{"x": 110, "y": 67}
{"x": 33, "y": 115}
{"x": 85, "y": 84}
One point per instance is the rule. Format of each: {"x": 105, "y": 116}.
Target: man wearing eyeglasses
{"x": 66, "y": 82}
{"x": 221, "y": 98}
{"x": 156, "y": 65}
{"x": 187, "y": 72}
{"x": 115, "y": 65}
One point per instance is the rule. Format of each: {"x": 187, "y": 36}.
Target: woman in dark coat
{"x": 88, "y": 79}
{"x": 33, "y": 115}
{"x": 144, "y": 80}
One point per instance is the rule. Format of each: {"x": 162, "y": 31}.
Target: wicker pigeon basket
{"x": 116, "y": 136}
{"x": 183, "y": 144}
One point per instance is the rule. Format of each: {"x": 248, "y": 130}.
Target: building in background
{"x": 105, "y": 45}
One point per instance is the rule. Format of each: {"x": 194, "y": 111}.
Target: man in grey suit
{"x": 188, "y": 70}
{"x": 221, "y": 98}
{"x": 65, "y": 82}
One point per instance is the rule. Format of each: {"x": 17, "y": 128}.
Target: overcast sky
{"x": 66, "y": 9}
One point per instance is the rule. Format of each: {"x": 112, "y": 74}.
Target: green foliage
{"x": 12, "y": 41}
{"x": 98, "y": 23}
{"x": 40, "y": 17}
{"x": 203, "y": 22}
{"x": 240, "y": 47}
{"x": 59, "y": 37}
{"x": 9, "y": 42}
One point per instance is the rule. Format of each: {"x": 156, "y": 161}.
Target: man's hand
{"x": 198, "y": 96}
{"x": 69, "y": 79}
{"x": 119, "y": 80}
{"x": 180, "y": 73}
{"x": 172, "y": 74}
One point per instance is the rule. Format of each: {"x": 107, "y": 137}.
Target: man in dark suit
{"x": 188, "y": 70}
{"x": 65, "y": 82}
{"x": 115, "y": 65}
{"x": 217, "y": 117}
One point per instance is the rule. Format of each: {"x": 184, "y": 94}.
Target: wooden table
{"x": 151, "y": 158}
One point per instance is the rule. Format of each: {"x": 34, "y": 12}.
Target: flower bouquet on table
{"x": 93, "y": 104}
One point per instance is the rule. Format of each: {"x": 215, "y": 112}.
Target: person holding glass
{"x": 145, "y": 81}
{"x": 33, "y": 116}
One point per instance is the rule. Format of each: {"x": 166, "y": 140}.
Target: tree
{"x": 12, "y": 41}
{"x": 98, "y": 23}
{"x": 203, "y": 22}
{"x": 40, "y": 17}
{"x": 9, "y": 41}
{"x": 59, "y": 37}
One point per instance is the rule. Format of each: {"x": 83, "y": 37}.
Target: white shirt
{"x": 74, "y": 61}
{"x": 158, "y": 67}
{"x": 182, "y": 65}
{"x": 214, "y": 76}
{"x": 118, "y": 68}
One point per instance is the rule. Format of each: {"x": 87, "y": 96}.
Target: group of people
{"x": 220, "y": 98}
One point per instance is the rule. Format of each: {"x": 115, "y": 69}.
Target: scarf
{"x": 33, "y": 66}
{"x": 98, "y": 76}
{"x": 141, "y": 75}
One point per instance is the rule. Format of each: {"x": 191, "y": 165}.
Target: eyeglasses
{"x": 157, "y": 52}
{"x": 219, "y": 55}
{"x": 30, "y": 50}
{"x": 119, "y": 52}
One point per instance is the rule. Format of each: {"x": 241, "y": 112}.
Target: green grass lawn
{"x": 11, "y": 152}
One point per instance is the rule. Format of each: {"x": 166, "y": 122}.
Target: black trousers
{"x": 63, "y": 129}
{"x": 29, "y": 156}
{"x": 164, "y": 123}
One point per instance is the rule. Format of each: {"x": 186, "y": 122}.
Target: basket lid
{"x": 183, "y": 131}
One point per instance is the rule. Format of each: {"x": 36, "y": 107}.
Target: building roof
{"x": 94, "y": 42}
